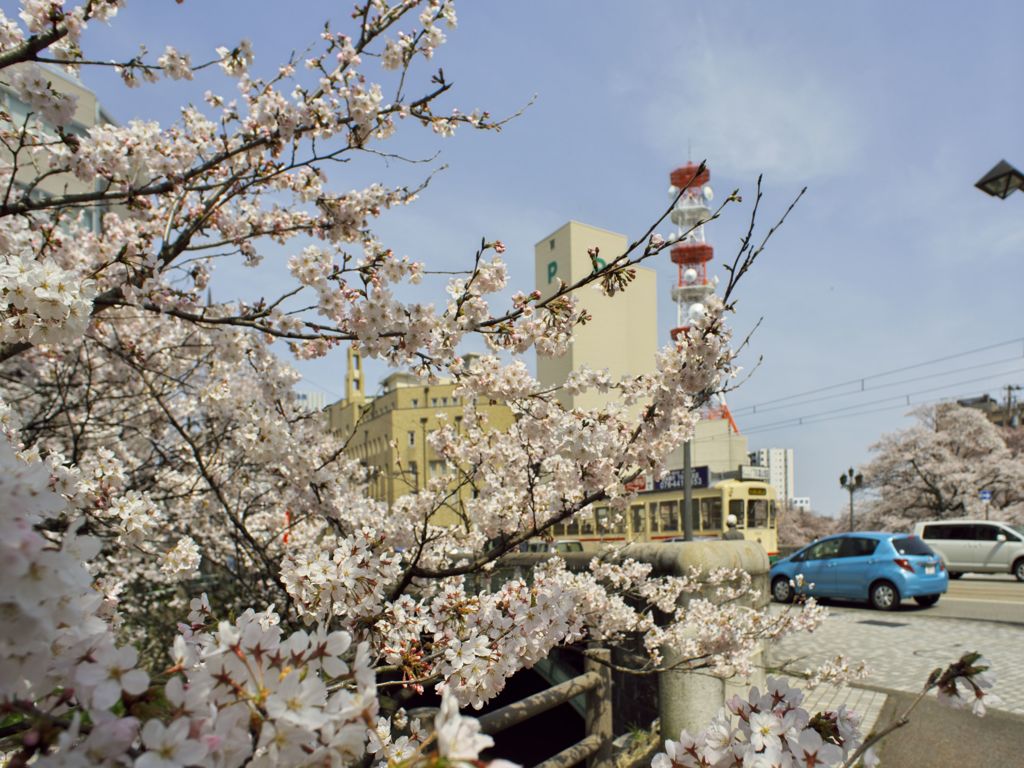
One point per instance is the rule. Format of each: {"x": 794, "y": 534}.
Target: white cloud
{"x": 750, "y": 110}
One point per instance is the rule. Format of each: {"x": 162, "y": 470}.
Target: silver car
{"x": 976, "y": 546}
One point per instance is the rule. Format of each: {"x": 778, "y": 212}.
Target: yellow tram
{"x": 656, "y": 515}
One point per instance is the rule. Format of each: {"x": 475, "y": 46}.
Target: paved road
{"x": 985, "y": 597}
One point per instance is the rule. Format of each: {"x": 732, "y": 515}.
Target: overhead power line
{"x": 911, "y": 380}
{"x": 856, "y": 410}
{"x": 862, "y": 380}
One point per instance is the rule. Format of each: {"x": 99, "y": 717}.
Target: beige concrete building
{"x": 714, "y": 446}
{"x": 388, "y": 432}
{"x": 623, "y": 335}
{"x": 88, "y": 113}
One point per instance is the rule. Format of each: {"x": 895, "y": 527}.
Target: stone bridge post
{"x": 688, "y": 700}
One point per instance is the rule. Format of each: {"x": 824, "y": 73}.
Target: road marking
{"x": 976, "y": 600}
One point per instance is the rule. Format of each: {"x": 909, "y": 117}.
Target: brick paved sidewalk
{"x": 901, "y": 649}
{"x": 866, "y": 703}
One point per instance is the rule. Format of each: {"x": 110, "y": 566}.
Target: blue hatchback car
{"x": 881, "y": 568}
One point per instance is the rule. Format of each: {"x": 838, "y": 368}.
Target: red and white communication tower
{"x": 691, "y": 255}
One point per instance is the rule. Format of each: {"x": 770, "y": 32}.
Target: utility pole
{"x": 1008, "y": 414}
{"x": 687, "y": 493}
{"x": 851, "y": 482}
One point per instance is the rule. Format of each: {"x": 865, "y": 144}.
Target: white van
{"x": 976, "y": 546}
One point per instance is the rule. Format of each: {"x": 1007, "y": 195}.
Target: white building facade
{"x": 779, "y": 462}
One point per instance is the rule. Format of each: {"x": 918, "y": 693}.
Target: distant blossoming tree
{"x": 193, "y": 570}
{"x": 1014, "y": 438}
{"x": 938, "y": 468}
{"x": 802, "y": 526}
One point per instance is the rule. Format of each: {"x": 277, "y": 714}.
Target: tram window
{"x": 758, "y": 513}
{"x": 558, "y": 529}
{"x": 603, "y": 525}
{"x": 711, "y": 514}
{"x": 652, "y": 516}
{"x": 616, "y": 522}
{"x": 638, "y": 518}
{"x": 736, "y": 508}
{"x": 694, "y": 513}
{"x": 669, "y": 517}
{"x": 587, "y": 522}
{"x": 771, "y": 514}
{"x": 572, "y": 528}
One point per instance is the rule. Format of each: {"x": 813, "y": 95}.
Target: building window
{"x": 433, "y": 402}
{"x": 444, "y": 401}
{"x": 412, "y": 438}
{"x": 415, "y": 403}
{"x": 438, "y": 468}
{"x": 551, "y": 244}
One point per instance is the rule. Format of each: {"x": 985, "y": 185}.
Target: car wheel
{"x": 884, "y": 596}
{"x": 926, "y": 600}
{"x": 955, "y": 574}
{"x": 782, "y": 590}
{"x": 1018, "y": 569}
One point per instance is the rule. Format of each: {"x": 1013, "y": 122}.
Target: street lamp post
{"x": 851, "y": 482}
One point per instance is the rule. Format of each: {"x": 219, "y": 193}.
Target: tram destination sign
{"x": 673, "y": 479}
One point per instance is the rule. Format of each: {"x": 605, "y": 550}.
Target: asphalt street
{"x": 983, "y": 597}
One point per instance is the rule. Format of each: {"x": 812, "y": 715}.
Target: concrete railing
{"x": 689, "y": 700}
{"x": 686, "y": 699}
{"x": 595, "y": 682}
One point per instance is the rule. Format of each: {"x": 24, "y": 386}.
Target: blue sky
{"x": 887, "y": 112}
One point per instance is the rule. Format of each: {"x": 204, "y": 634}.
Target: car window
{"x": 939, "y": 532}
{"x": 958, "y": 532}
{"x": 911, "y": 545}
{"x": 823, "y": 550}
{"x": 987, "y": 532}
{"x": 857, "y": 546}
